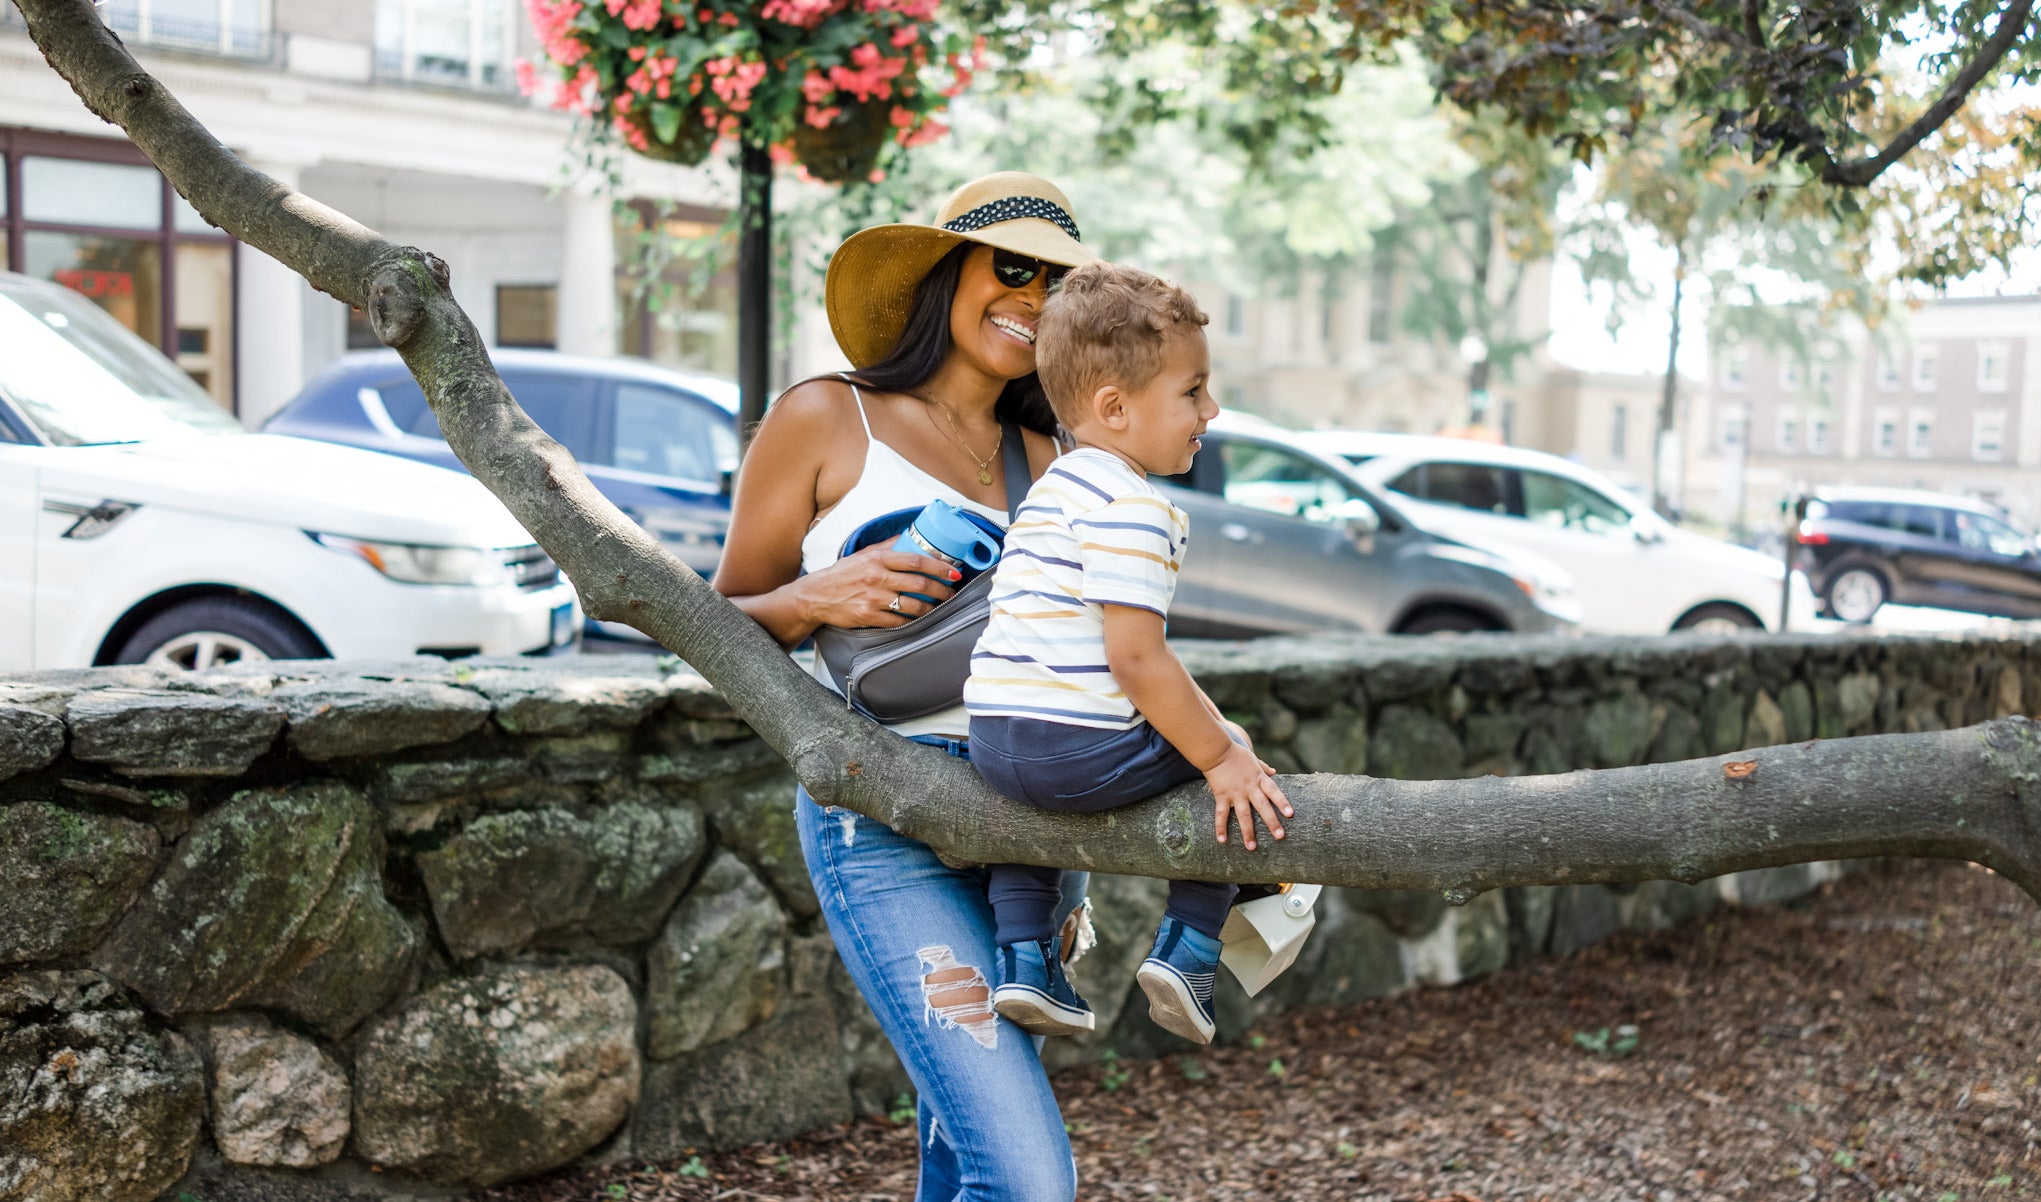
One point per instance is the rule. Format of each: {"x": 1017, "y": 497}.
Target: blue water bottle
{"x": 941, "y": 531}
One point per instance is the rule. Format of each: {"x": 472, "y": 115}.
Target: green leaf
{"x": 666, "y": 121}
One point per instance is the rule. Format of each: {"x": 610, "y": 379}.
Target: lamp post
{"x": 754, "y": 286}
{"x": 1474, "y": 349}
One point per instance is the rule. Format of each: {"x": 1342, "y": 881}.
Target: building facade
{"x": 402, "y": 114}
{"x": 1951, "y": 403}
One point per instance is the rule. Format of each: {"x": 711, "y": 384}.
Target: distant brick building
{"x": 1951, "y": 403}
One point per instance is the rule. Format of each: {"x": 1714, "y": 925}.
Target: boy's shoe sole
{"x": 1039, "y": 1014}
{"x": 1171, "y": 1003}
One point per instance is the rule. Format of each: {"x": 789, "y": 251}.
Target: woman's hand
{"x": 870, "y": 588}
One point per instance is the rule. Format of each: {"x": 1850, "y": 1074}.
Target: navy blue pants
{"x": 1080, "y": 770}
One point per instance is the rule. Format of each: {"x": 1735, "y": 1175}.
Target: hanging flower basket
{"x": 830, "y": 85}
{"x": 848, "y": 148}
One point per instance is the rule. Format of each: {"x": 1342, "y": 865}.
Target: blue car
{"x": 660, "y": 443}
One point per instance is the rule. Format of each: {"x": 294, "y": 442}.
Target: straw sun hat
{"x": 873, "y": 275}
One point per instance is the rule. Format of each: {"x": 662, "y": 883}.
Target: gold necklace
{"x": 956, "y": 435}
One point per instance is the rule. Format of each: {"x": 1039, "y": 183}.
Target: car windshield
{"x": 80, "y": 378}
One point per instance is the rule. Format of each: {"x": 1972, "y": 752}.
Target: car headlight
{"x": 1549, "y": 591}
{"x": 476, "y": 567}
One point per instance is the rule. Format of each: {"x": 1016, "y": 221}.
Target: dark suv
{"x": 1863, "y": 547}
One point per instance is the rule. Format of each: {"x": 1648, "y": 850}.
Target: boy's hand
{"x": 1242, "y": 786}
{"x": 1237, "y": 733}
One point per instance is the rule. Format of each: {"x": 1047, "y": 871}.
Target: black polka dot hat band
{"x": 873, "y": 275}
{"x": 1010, "y": 208}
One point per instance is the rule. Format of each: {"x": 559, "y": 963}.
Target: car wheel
{"x": 1449, "y": 621}
{"x": 1718, "y": 617}
{"x": 1855, "y": 594}
{"x": 210, "y": 631}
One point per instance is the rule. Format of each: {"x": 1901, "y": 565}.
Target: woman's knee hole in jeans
{"x": 958, "y": 996}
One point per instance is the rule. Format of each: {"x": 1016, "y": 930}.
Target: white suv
{"x": 139, "y": 523}
{"x": 1637, "y": 573}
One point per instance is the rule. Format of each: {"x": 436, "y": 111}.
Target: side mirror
{"x": 1646, "y": 530}
{"x": 1360, "y": 521}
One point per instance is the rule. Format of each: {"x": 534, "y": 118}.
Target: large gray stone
{"x": 1766, "y": 726}
{"x": 546, "y": 701}
{"x": 546, "y": 877}
{"x": 482, "y": 1079}
{"x": 334, "y": 718}
{"x": 274, "y": 899}
{"x": 95, "y": 1106}
{"x": 1678, "y": 738}
{"x": 1796, "y": 705}
{"x": 720, "y": 965}
{"x": 1530, "y": 920}
{"x": 1722, "y": 720}
{"x": 171, "y": 733}
{"x": 1336, "y": 742}
{"x": 68, "y": 876}
{"x": 277, "y": 1098}
{"x": 759, "y": 826}
{"x": 1481, "y": 931}
{"x": 1662, "y": 905}
{"x": 782, "y": 1079}
{"x": 1617, "y": 731}
{"x": 1847, "y": 706}
{"x": 30, "y": 739}
{"x": 1411, "y": 744}
{"x": 1582, "y": 915}
{"x": 1408, "y": 913}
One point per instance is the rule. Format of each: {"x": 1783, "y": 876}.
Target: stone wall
{"x": 264, "y": 929}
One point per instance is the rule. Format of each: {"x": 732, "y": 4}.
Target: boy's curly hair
{"x": 1107, "y": 324}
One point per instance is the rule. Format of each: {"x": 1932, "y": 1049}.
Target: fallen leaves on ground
{"x": 1880, "y": 1040}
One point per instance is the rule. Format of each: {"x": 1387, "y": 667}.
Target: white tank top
{"x": 887, "y": 483}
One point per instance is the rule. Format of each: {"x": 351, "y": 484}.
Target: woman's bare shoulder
{"x": 818, "y": 408}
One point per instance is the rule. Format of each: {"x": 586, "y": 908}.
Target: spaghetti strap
{"x": 860, "y": 398}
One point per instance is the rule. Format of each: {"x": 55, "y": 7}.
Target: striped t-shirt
{"x": 1092, "y": 532}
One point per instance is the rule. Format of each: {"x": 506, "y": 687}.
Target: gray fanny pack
{"x": 896, "y": 673}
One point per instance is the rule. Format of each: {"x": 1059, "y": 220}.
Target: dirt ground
{"x": 1880, "y": 1040}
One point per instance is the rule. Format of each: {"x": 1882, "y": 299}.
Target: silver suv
{"x": 1285, "y": 540}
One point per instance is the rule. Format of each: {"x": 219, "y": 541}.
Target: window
{"x": 232, "y": 27}
{"x": 1888, "y": 371}
{"x": 1818, "y": 438}
{"x": 1980, "y": 532}
{"x": 1920, "y": 434}
{"x": 1476, "y": 486}
{"x": 1619, "y": 431}
{"x": 1734, "y": 368}
{"x": 1275, "y": 481}
{"x": 665, "y": 433}
{"x": 93, "y": 216}
{"x": 1885, "y": 433}
{"x": 1921, "y": 520}
{"x": 1988, "y": 436}
{"x": 1792, "y": 374}
{"x": 459, "y": 43}
{"x": 1924, "y": 369}
{"x": 563, "y": 406}
{"x": 1789, "y": 432}
{"x": 1729, "y": 433}
{"x": 525, "y": 315}
{"x": 1556, "y": 501}
{"x": 1824, "y": 376}
{"x": 1994, "y": 366}
{"x": 1236, "y": 315}
{"x": 1381, "y": 295}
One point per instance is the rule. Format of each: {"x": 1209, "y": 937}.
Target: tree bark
{"x": 1668, "y": 398}
{"x": 1969, "y": 794}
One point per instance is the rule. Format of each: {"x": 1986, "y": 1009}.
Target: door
{"x": 1992, "y": 567}
{"x": 19, "y": 509}
{"x": 1286, "y": 559}
{"x": 662, "y": 455}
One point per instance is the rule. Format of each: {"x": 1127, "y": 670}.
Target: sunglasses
{"x": 1018, "y": 271}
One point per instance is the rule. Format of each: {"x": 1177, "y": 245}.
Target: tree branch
{"x": 1858, "y": 172}
{"x": 1967, "y": 794}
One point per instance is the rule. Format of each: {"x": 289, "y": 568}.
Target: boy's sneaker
{"x": 1034, "y": 994}
{"x": 1177, "y": 977}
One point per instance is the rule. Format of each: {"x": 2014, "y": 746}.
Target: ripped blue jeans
{"x": 916, "y": 936}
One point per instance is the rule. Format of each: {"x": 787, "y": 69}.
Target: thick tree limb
{"x": 1857, "y": 172}
{"x": 1969, "y": 795}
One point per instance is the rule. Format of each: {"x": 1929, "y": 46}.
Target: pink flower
{"x": 527, "y": 76}
{"x": 931, "y": 131}
{"x": 906, "y": 36}
{"x": 820, "y": 118}
{"x": 902, "y": 118}
{"x": 877, "y": 176}
{"x": 816, "y": 88}
{"x": 782, "y": 154}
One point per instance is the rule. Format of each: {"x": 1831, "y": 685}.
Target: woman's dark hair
{"x": 926, "y": 342}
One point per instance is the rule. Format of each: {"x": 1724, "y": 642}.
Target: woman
{"x": 939, "y": 320}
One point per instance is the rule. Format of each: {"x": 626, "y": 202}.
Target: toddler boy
{"x": 1076, "y": 701}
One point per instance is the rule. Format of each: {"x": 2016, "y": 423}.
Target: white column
{"x": 588, "y": 276}
{"x": 270, "y": 331}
